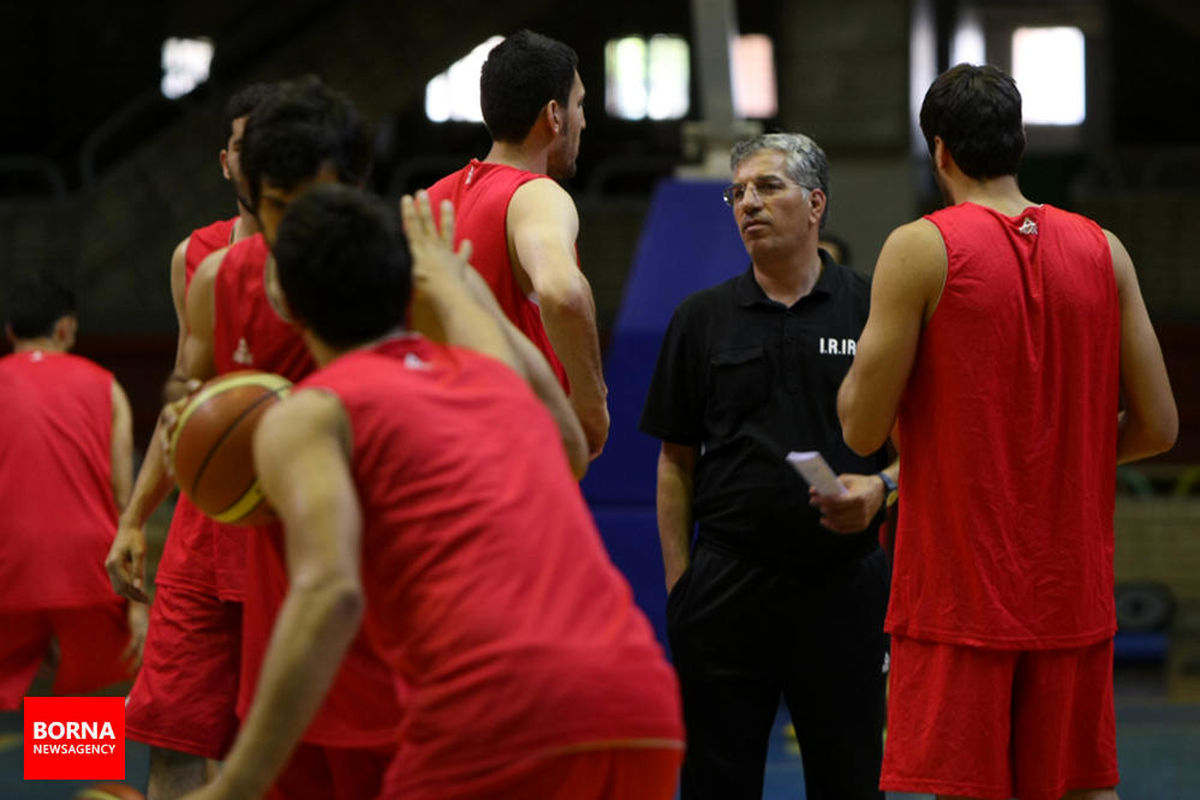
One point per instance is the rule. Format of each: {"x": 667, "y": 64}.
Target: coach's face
{"x": 773, "y": 213}
{"x": 273, "y": 200}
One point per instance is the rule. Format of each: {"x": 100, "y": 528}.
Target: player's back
{"x": 1009, "y": 431}
{"x": 56, "y": 495}
{"x": 488, "y": 587}
{"x": 481, "y": 193}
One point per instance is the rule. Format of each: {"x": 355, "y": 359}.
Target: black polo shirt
{"x": 746, "y": 380}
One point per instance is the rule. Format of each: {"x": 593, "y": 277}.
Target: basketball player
{"x": 523, "y": 224}
{"x": 302, "y": 133}
{"x": 66, "y": 462}
{"x": 1001, "y": 337}
{"x": 128, "y": 553}
{"x": 186, "y": 570}
{"x": 405, "y": 488}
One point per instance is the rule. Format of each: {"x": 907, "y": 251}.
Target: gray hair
{"x": 806, "y": 162}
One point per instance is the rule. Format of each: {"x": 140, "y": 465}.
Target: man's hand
{"x": 126, "y": 562}
{"x": 139, "y": 622}
{"x": 432, "y": 249}
{"x": 852, "y": 510}
{"x": 168, "y": 418}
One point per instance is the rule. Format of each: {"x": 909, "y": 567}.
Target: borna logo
{"x": 75, "y": 738}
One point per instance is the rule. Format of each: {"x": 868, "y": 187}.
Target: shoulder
{"x": 206, "y": 270}
{"x": 307, "y": 411}
{"x": 539, "y": 195}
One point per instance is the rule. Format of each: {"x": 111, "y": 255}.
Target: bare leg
{"x": 174, "y": 774}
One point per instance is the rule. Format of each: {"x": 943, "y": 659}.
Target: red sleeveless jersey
{"x": 205, "y": 241}
{"x": 481, "y": 193}
{"x": 489, "y": 591}
{"x": 56, "y": 498}
{"x": 1009, "y": 435}
{"x": 201, "y": 243}
{"x": 248, "y": 333}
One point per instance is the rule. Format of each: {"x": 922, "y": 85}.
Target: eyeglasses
{"x": 765, "y": 188}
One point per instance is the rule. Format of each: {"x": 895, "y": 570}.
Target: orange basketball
{"x": 109, "y": 791}
{"x": 211, "y": 449}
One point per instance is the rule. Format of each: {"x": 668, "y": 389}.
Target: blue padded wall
{"x": 689, "y": 242}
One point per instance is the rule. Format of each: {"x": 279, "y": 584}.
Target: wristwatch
{"x": 891, "y": 492}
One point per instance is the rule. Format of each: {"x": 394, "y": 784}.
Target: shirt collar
{"x": 749, "y": 293}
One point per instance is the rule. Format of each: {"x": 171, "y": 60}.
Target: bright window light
{"x": 647, "y": 78}
{"x": 968, "y": 44}
{"x": 1048, "y": 67}
{"x": 667, "y": 77}
{"x": 752, "y": 69}
{"x": 454, "y": 95}
{"x": 185, "y": 64}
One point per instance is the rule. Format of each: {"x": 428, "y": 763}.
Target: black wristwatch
{"x": 890, "y": 490}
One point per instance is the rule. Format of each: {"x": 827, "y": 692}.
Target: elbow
{"x": 860, "y": 441}
{"x": 1162, "y": 437}
{"x": 568, "y": 295}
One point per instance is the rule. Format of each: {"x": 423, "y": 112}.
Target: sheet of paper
{"x": 813, "y": 468}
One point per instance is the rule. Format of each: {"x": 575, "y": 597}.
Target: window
{"x": 454, "y": 95}
{"x": 185, "y": 64}
{"x": 1048, "y": 66}
{"x": 752, "y": 69}
{"x": 647, "y": 78}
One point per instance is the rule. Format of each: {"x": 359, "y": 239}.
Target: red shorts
{"x": 988, "y": 723}
{"x": 616, "y": 773}
{"x": 185, "y": 695}
{"x": 91, "y": 645}
{"x": 332, "y": 773}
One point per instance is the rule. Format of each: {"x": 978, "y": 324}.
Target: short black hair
{"x": 36, "y": 303}
{"x": 290, "y": 135}
{"x": 522, "y": 74}
{"x": 242, "y": 102}
{"x": 977, "y": 113}
{"x": 344, "y": 265}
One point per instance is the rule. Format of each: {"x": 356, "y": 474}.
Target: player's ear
{"x": 224, "y": 156}
{"x": 553, "y": 113}
{"x": 64, "y": 330}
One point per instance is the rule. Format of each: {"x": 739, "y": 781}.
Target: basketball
{"x": 211, "y": 449}
{"x": 109, "y": 791}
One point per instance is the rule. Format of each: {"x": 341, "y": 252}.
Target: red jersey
{"x": 489, "y": 591}
{"x": 187, "y": 518}
{"x": 205, "y": 241}
{"x": 481, "y": 193}
{"x": 1009, "y": 432}
{"x": 248, "y": 333}
{"x": 57, "y": 508}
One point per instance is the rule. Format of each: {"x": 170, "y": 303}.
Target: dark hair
{"x": 242, "y": 102}
{"x": 522, "y": 74}
{"x": 36, "y": 303}
{"x": 290, "y": 135}
{"x": 343, "y": 264}
{"x": 977, "y": 113}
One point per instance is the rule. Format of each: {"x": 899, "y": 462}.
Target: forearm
{"x": 569, "y": 316}
{"x": 312, "y": 633}
{"x": 461, "y": 319}
{"x": 675, "y": 520}
{"x": 151, "y": 486}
